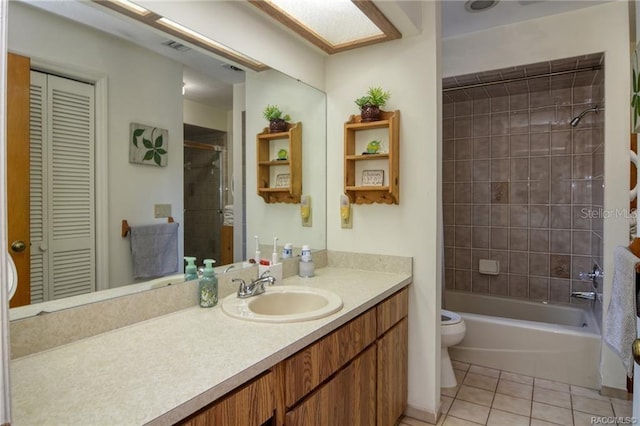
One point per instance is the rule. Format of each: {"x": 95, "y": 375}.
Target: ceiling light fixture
{"x": 479, "y": 5}
{"x": 132, "y": 7}
{"x": 176, "y": 29}
{"x": 332, "y": 25}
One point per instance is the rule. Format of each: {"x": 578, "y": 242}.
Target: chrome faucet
{"x": 588, "y": 295}
{"x": 255, "y": 287}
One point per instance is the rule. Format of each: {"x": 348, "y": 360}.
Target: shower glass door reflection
{"x": 204, "y": 161}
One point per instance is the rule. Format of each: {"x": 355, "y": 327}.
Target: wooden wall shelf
{"x": 356, "y": 136}
{"x": 267, "y": 145}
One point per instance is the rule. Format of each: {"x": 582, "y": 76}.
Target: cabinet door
{"x": 316, "y": 363}
{"x": 347, "y": 399}
{"x": 251, "y": 405}
{"x": 392, "y": 374}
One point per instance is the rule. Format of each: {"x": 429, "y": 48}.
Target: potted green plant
{"x": 371, "y": 103}
{"x": 277, "y": 121}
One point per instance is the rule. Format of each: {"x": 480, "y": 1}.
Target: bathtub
{"x": 549, "y": 341}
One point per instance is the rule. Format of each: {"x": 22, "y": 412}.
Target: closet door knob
{"x": 635, "y": 350}
{"x": 18, "y": 246}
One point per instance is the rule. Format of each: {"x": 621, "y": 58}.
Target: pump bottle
{"x": 208, "y": 286}
{"x": 190, "y": 271}
{"x": 306, "y": 268}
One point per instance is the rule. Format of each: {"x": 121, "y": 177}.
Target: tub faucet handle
{"x": 593, "y": 275}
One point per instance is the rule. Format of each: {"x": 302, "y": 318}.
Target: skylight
{"x": 332, "y": 25}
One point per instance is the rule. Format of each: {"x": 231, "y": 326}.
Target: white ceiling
{"x": 208, "y": 81}
{"x": 457, "y": 21}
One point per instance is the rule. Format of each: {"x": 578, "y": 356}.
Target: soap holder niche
{"x": 489, "y": 267}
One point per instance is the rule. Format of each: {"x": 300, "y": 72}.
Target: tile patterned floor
{"x": 485, "y": 396}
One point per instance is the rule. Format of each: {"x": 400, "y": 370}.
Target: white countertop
{"x": 161, "y": 370}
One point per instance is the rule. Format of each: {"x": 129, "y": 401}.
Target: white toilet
{"x": 452, "y": 331}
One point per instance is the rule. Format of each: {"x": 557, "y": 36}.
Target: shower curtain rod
{"x": 515, "y": 79}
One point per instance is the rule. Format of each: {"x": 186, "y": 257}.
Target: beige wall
{"x": 408, "y": 68}
{"x": 603, "y": 28}
{"x": 306, "y": 105}
{"x": 205, "y": 116}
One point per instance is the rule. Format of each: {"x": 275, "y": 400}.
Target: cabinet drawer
{"x": 251, "y": 405}
{"x": 392, "y": 310}
{"x": 312, "y": 365}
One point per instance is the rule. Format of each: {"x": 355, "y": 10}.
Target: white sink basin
{"x": 283, "y": 304}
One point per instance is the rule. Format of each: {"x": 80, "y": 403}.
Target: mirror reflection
{"x": 136, "y": 74}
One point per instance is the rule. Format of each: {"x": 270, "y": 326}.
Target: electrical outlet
{"x": 161, "y": 210}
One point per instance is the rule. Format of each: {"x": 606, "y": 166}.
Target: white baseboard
{"x": 422, "y": 415}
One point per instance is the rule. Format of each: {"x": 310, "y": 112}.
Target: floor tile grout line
{"x": 533, "y": 386}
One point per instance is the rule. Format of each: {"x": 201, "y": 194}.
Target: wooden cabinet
{"x": 250, "y": 405}
{"x": 372, "y": 178}
{"x": 226, "y": 245}
{"x": 356, "y": 375}
{"x": 392, "y": 374}
{"x": 308, "y": 368}
{"x": 392, "y": 358}
{"x": 279, "y": 177}
{"x": 347, "y": 399}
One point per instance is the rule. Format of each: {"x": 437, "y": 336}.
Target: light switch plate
{"x": 161, "y": 210}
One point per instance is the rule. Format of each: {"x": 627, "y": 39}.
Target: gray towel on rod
{"x": 620, "y": 327}
{"x": 154, "y": 250}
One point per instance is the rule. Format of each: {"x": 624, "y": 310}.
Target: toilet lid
{"x": 449, "y": 318}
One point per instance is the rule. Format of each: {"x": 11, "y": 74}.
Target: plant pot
{"x": 369, "y": 113}
{"x": 277, "y": 125}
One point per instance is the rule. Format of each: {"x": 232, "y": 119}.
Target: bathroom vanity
{"x": 197, "y": 365}
{"x": 356, "y": 375}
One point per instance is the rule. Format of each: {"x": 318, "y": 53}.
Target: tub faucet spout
{"x": 588, "y": 295}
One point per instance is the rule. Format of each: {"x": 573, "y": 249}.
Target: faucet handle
{"x": 265, "y": 273}
{"x": 243, "y": 285}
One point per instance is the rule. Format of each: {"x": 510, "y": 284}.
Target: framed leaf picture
{"x": 148, "y": 145}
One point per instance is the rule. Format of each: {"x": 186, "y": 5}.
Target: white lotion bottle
{"x": 307, "y": 268}
{"x": 287, "y": 251}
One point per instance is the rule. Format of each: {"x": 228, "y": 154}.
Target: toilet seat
{"x": 449, "y": 318}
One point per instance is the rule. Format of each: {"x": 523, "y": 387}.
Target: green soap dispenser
{"x": 190, "y": 271}
{"x": 208, "y": 285}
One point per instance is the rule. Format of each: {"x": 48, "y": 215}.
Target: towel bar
{"x": 126, "y": 228}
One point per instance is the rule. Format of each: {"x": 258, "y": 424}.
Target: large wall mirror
{"x": 212, "y": 110}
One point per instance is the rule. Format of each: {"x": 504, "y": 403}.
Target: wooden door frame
{"x": 17, "y": 185}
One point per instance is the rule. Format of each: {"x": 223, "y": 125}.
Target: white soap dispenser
{"x": 306, "y": 267}
{"x": 287, "y": 251}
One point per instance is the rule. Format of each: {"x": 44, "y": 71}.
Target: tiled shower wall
{"x": 523, "y": 187}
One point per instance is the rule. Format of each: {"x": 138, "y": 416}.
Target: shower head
{"x": 575, "y": 120}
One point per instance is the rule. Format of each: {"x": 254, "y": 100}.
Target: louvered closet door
{"x": 37, "y": 193}
{"x": 64, "y": 260}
